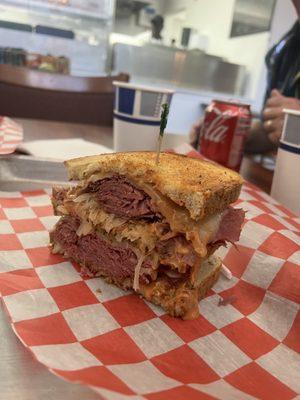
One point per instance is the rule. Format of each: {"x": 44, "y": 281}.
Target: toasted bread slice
{"x": 201, "y": 187}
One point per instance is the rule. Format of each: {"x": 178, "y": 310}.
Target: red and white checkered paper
{"x": 126, "y": 348}
{"x": 11, "y": 134}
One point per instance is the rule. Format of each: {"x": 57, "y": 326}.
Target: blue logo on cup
{"x": 138, "y": 104}
{"x": 125, "y": 100}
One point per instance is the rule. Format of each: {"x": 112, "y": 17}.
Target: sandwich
{"x": 147, "y": 227}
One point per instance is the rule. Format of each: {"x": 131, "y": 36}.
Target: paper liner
{"x": 11, "y": 134}
{"x": 87, "y": 331}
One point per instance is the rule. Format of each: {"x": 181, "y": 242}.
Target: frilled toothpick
{"x": 163, "y": 124}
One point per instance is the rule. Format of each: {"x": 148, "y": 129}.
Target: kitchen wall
{"x": 249, "y": 46}
{"x": 213, "y": 21}
{"x": 283, "y": 18}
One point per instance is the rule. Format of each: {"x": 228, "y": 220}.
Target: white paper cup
{"x": 286, "y": 180}
{"x": 137, "y": 116}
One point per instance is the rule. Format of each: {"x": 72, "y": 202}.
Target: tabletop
{"x": 37, "y": 129}
{"x": 21, "y": 377}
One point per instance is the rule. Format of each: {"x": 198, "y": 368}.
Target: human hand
{"x": 273, "y": 113}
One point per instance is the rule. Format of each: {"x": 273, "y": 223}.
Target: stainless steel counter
{"x": 28, "y": 173}
{"x": 182, "y": 68}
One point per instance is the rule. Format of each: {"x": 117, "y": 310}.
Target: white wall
{"x": 213, "y": 19}
{"x": 284, "y": 16}
{"x": 250, "y": 51}
{"x": 173, "y": 25}
{"x": 171, "y": 6}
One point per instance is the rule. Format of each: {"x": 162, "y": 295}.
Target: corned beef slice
{"x": 230, "y": 226}
{"x": 95, "y": 252}
{"x": 118, "y": 196}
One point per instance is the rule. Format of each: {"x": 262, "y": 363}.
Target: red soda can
{"x": 223, "y": 133}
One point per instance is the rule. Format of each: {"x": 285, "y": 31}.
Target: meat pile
{"x": 118, "y": 196}
{"x": 93, "y": 250}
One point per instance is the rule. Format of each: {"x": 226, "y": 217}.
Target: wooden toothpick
{"x": 163, "y": 124}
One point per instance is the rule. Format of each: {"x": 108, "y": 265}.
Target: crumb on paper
{"x": 226, "y": 272}
{"x": 226, "y": 300}
{"x": 98, "y": 290}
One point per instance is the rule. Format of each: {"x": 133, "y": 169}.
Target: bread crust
{"x": 203, "y": 188}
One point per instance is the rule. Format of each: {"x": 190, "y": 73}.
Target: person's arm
{"x": 258, "y": 141}
{"x": 264, "y": 136}
{"x": 273, "y": 113}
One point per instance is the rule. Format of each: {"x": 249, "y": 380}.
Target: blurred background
{"x": 201, "y": 48}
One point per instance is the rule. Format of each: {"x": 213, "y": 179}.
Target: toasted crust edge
{"x": 199, "y": 201}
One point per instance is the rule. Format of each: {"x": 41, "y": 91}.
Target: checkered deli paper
{"x": 87, "y": 331}
{"x": 11, "y": 134}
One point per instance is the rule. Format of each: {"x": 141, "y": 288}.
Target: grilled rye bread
{"x": 201, "y": 187}
{"x": 147, "y": 227}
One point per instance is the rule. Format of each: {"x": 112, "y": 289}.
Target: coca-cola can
{"x": 223, "y": 132}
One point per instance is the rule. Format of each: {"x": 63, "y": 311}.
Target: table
{"x": 35, "y": 129}
{"x": 21, "y": 377}
{"x": 255, "y": 173}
